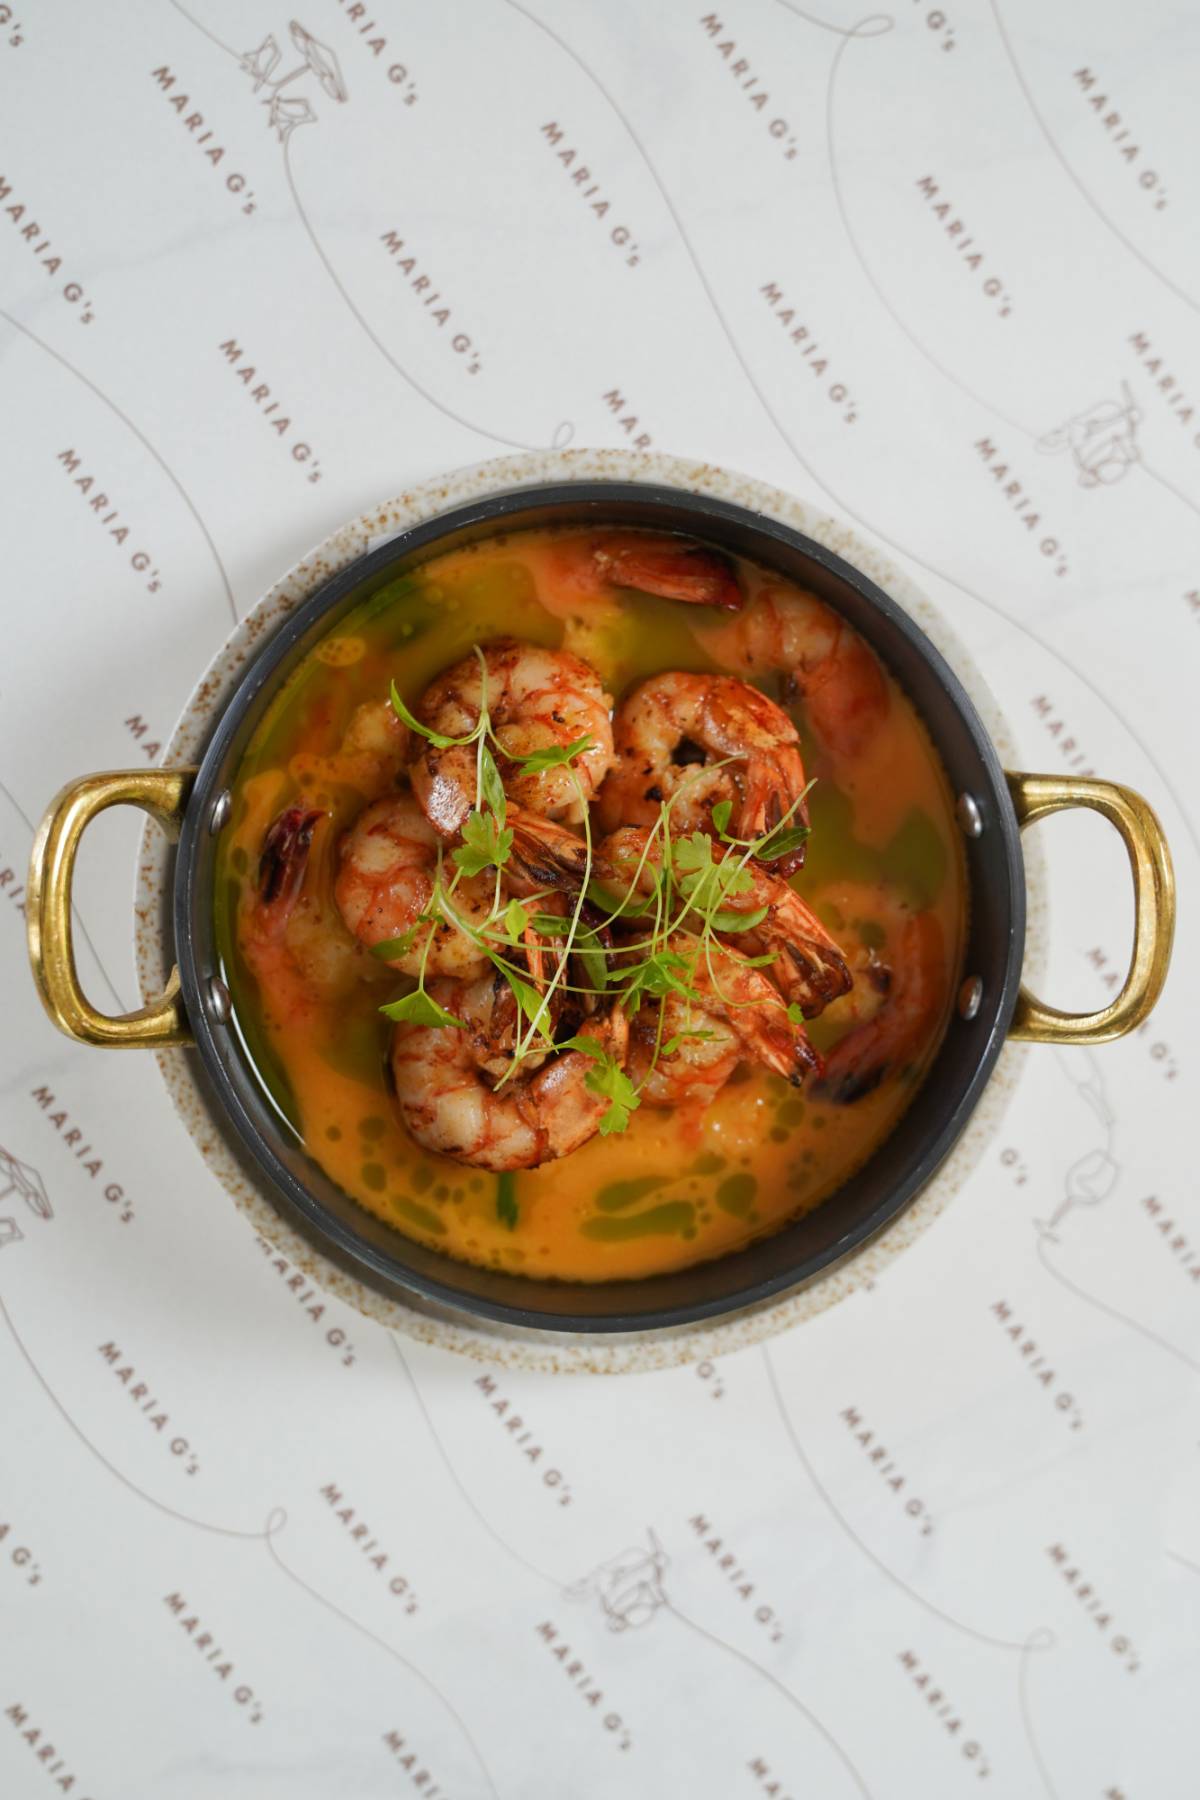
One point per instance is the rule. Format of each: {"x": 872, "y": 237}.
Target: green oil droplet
{"x": 374, "y": 1176}
{"x": 708, "y": 1164}
{"x": 916, "y": 858}
{"x": 421, "y": 1216}
{"x": 736, "y": 1195}
{"x": 372, "y": 1128}
{"x": 620, "y": 1194}
{"x": 673, "y": 1217}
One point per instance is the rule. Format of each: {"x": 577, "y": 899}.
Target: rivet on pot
{"x": 219, "y": 1000}
{"x": 221, "y": 808}
{"x": 969, "y": 817}
{"x": 970, "y": 997}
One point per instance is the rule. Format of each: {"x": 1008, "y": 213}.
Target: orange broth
{"x": 671, "y": 1190}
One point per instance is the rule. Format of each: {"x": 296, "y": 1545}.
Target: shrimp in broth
{"x": 619, "y": 935}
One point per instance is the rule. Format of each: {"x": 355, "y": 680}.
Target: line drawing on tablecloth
{"x": 280, "y": 1515}
{"x": 786, "y": 1692}
{"x": 1035, "y": 1641}
{"x": 330, "y": 75}
{"x": 982, "y": 1637}
{"x": 1123, "y": 452}
{"x": 1090, "y": 1180}
{"x": 606, "y": 1582}
{"x": 1132, "y": 248}
{"x": 316, "y": 59}
{"x": 276, "y": 1520}
{"x": 1039, "y": 1639}
{"x": 142, "y": 439}
{"x": 563, "y": 432}
{"x": 1102, "y": 439}
{"x": 629, "y": 1586}
{"x": 793, "y": 448}
{"x": 839, "y": 30}
{"x": 448, "y": 1465}
{"x": 170, "y": 1511}
{"x": 22, "y": 1178}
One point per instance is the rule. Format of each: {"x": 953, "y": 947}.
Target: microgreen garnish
{"x": 419, "y": 1008}
{"x": 414, "y": 724}
{"x": 554, "y": 756}
{"x": 676, "y": 909}
{"x": 705, "y": 882}
{"x": 485, "y": 844}
{"x": 390, "y": 948}
{"x": 608, "y": 1080}
{"x": 671, "y": 1047}
{"x": 516, "y": 922}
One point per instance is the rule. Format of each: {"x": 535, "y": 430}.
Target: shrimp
{"x": 897, "y": 999}
{"x": 370, "y": 758}
{"x": 827, "y": 663}
{"x": 387, "y": 866}
{"x": 537, "y": 699}
{"x": 676, "y": 568}
{"x": 291, "y": 936}
{"x": 738, "y": 1017}
{"x": 695, "y": 739}
{"x": 447, "y": 1106}
{"x": 809, "y": 968}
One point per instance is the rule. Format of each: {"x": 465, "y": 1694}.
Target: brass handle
{"x": 163, "y": 793}
{"x": 1036, "y": 797}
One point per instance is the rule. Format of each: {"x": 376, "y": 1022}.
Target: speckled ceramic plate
{"x": 501, "y": 1342}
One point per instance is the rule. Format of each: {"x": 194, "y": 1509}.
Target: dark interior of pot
{"x": 875, "y": 1195}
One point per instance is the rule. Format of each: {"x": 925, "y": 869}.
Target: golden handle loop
{"x": 163, "y": 793}
{"x": 1036, "y": 797}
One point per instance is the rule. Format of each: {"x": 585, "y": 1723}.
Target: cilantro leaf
{"x": 436, "y": 738}
{"x": 400, "y": 946}
{"x": 491, "y": 785}
{"x": 738, "y": 921}
{"x": 672, "y": 1044}
{"x": 419, "y": 1008}
{"x": 707, "y": 882}
{"x": 661, "y": 973}
{"x": 553, "y": 756}
{"x": 516, "y": 921}
{"x": 781, "y": 842}
{"x": 629, "y": 904}
{"x": 531, "y": 1002}
{"x": 484, "y": 844}
{"x": 593, "y": 959}
{"x": 795, "y": 1014}
{"x": 609, "y": 1081}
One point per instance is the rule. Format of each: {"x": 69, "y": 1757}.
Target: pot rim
{"x": 492, "y": 491}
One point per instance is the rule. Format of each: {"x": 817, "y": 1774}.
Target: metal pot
{"x": 993, "y": 808}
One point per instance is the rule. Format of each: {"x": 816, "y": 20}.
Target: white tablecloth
{"x": 937, "y": 274}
